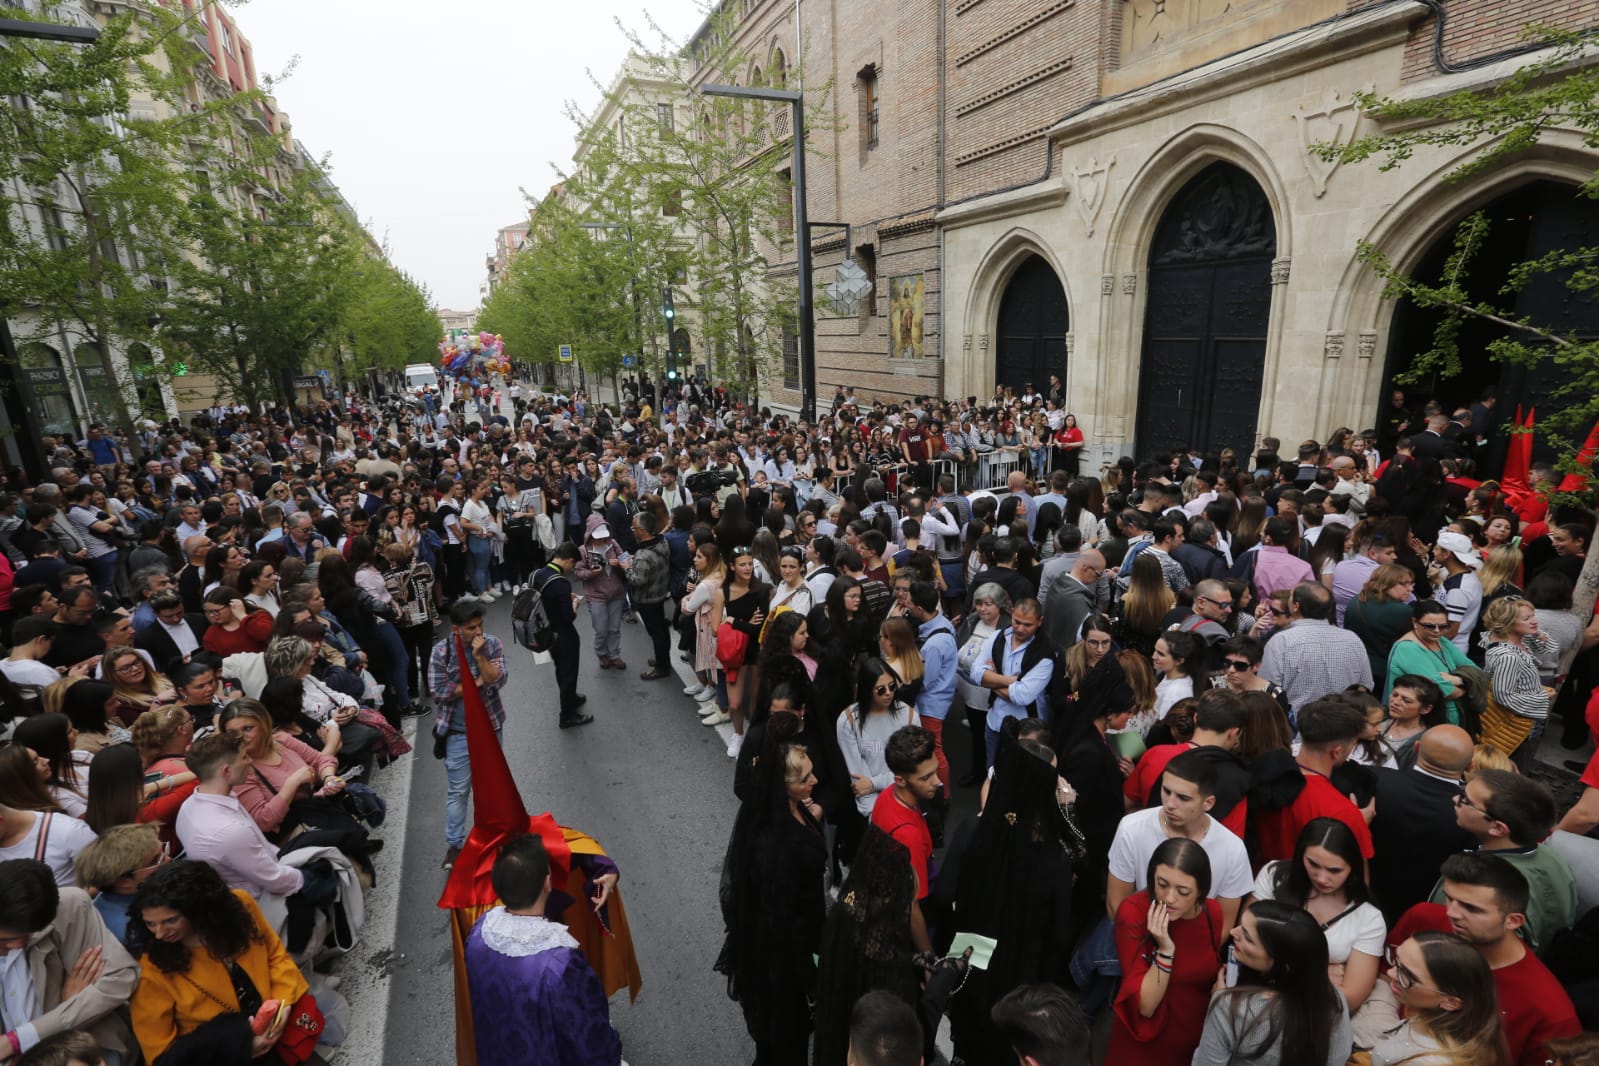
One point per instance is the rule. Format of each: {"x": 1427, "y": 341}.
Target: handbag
{"x": 1504, "y": 729}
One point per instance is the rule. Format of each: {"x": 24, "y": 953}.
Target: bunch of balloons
{"x": 470, "y": 356}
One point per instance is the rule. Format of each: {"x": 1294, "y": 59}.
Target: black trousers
{"x": 653, "y": 615}
{"x": 418, "y": 641}
{"x": 523, "y": 555}
{"x": 565, "y": 651}
{"x": 454, "y": 570}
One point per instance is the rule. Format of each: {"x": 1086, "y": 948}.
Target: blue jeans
{"x": 103, "y": 571}
{"x": 479, "y": 550}
{"x": 398, "y": 679}
{"x": 458, "y": 772}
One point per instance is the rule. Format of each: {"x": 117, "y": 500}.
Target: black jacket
{"x": 1413, "y": 833}
{"x": 1200, "y": 561}
{"x": 154, "y": 639}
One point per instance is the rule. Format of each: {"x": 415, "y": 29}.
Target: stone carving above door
{"x": 1332, "y": 122}
{"x": 1088, "y": 190}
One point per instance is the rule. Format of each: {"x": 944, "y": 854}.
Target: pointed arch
{"x": 990, "y": 281}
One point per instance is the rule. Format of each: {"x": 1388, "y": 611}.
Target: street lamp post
{"x": 802, "y": 233}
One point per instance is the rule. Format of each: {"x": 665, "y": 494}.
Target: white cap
{"x": 601, "y": 532}
{"x": 1459, "y": 545}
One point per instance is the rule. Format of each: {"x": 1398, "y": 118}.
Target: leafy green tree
{"x": 270, "y": 284}
{"x": 1493, "y": 125}
{"x": 88, "y": 201}
{"x": 389, "y": 321}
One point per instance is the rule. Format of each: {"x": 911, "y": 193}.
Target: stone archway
{"x": 1030, "y": 334}
{"x": 1209, "y": 306}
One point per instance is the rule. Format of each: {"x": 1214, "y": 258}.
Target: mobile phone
{"x": 1231, "y": 979}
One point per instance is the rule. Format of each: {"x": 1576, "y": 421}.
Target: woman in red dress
{"x": 1169, "y": 940}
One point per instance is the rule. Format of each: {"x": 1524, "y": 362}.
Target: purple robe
{"x": 535, "y": 999}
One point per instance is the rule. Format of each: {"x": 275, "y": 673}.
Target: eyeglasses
{"x": 1463, "y": 799}
{"x": 1402, "y": 975}
{"x": 164, "y": 857}
{"x": 1237, "y": 664}
{"x": 1434, "y": 627}
{"x": 127, "y": 666}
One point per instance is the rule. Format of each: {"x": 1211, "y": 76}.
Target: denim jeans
{"x": 458, "y": 772}
{"x": 479, "y": 550}
{"x": 103, "y": 571}
{"x": 397, "y": 679}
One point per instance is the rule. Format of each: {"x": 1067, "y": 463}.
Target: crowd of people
{"x": 1253, "y": 740}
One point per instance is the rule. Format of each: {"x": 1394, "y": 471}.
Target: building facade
{"x": 1127, "y": 193}
{"x": 1187, "y": 260}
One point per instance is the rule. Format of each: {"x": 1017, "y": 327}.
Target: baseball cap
{"x": 1459, "y": 545}
{"x": 601, "y": 532}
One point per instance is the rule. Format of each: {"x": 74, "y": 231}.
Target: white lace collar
{"x": 520, "y": 935}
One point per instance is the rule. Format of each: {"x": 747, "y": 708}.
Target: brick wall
{"x": 1476, "y": 28}
{"x": 1014, "y": 68}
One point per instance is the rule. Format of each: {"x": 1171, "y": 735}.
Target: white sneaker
{"x": 717, "y": 719}
{"x": 734, "y": 745}
{"x": 694, "y": 691}
{"x": 708, "y": 708}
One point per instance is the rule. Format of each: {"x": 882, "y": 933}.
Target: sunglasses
{"x": 883, "y": 690}
{"x": 1434, "y": 627}
{"x": 739, "y": 553}
{"x": 1225, "y": 605}
{"x": 1238, "y": 664}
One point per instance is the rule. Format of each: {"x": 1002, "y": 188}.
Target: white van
{"x": 419, "y": 375}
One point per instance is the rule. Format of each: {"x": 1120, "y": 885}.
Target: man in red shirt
{"x": 1218, "y": 725}
{"x": 1485, "y": 905}
{"x": 916, "y": 445}
{"x": 912, "y": 758}
{"x": 1328, "y": 729}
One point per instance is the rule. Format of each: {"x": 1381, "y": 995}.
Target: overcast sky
{"x": 437, "y": 114}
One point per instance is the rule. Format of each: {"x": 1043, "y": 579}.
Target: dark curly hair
{"x": 198, "y": 893}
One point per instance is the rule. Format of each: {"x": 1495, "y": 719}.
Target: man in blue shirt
{"x": 1018, "y": 671}
{"x": 937, "y": 639}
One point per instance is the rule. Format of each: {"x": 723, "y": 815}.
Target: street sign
{"x": 630, "y": 361}
{"x": 565, "y": 353}
{"x": 323, "y": 374}
{"x": 308, "y": 381}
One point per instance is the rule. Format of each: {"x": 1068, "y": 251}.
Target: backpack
{"x": 436, "y": 521}
{"x": 530, "y": 621}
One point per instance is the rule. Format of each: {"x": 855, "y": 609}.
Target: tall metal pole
{"x": 802, "y": 243}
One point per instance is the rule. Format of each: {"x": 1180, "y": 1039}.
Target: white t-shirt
{"x": 1463, "y": 599}
{"x": 1170, "y": 692}
{"x": 1140, "y": 833}
{"x": 30, "y": 675}
{"x": 68, "y": 836}
{"x": 1362, "y": 929}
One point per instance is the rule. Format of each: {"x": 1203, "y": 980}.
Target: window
{"x": 673, "y": 205}
{"x": 866, "y": 256}
{"x": 791, "y": 367}
{"x": 867, "y": 79}
{"x": 621, "y": 131}
{"x": 663, "y": 116}
{"x": 777, "y": 72}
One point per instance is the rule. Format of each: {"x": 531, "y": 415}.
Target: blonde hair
{"x": 154, "y": 729}
{"x": 1501, "y": 614}
{"x": 793, "y": 756}
{"x": 1488, "y": 757}
{"x": 1148, "y": 599}
{"x": 54, "y": 697}
{"x": 1501, "y": 566}
{"x": 119, "y": 850}
{"x": 903, "y": 655}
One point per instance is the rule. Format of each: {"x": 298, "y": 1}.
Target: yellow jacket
{"x": 169, "y": 1005}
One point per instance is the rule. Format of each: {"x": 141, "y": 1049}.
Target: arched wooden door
{"x": 1032, "y": 327}
{"x": 1205, "y": 327}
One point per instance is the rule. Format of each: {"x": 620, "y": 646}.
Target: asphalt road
{"x": 651, "y": 784}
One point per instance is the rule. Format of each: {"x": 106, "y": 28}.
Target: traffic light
{"x": 670, "y": 313}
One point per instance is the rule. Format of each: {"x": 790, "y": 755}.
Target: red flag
{"x": 498, "y": 814}
{"x": 1579, "y": 481}
{"x": 1518, "y": 457}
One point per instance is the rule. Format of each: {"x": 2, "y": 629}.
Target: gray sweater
{"x": 1224, "y": 1040}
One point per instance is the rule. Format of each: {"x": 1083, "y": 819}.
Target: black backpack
{"x": 436, "y": 520}
{"x": 530, "y": 621}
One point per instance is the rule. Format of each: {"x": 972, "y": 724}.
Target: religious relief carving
{"x": 1146, "y": 24}
{"x": 1368, "y": 343}
{"x": 1334, "y": 347}
{"x": 1088, "y": 188}
{"x": 1129, "y": 284}
{"x": 1333, "y": 122}
{"x": 1107, "y": 284}
{"x": 1221, "y": 214}
{"x": 1279, "y": 270}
